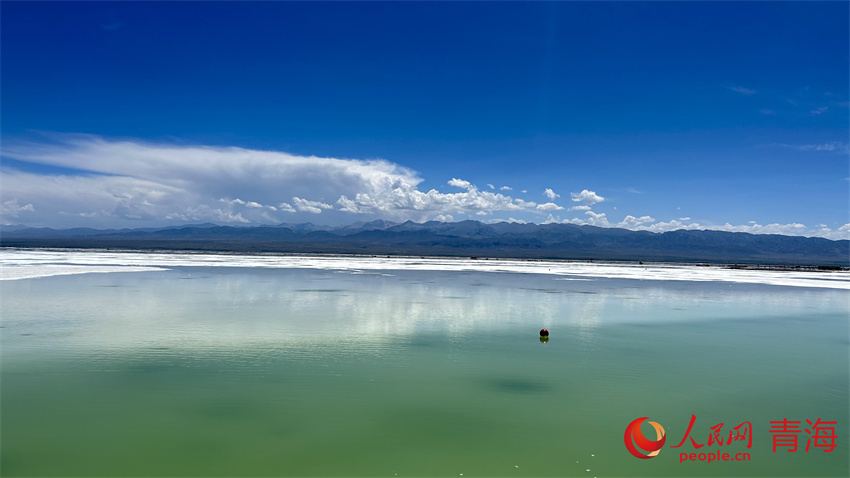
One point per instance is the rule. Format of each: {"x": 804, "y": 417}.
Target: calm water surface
{"x": 203, "y": 371}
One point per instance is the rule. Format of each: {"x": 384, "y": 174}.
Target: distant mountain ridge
{"x": 464, "y": 238}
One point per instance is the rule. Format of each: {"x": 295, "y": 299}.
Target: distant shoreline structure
{"x": 751, "y": 267}
{"x": 22, "y": 264}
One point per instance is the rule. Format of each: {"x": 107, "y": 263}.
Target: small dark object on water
{"x": 544, "y": 333}
{"x": 544, "y": 340}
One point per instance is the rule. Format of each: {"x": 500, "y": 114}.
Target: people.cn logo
{"x": 651, "y": 447}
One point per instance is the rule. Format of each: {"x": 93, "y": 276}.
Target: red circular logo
{"x": 651, "y": 447}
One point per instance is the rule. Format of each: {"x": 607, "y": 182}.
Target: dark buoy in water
{"x": 544, "y": 339}
{"x": 544, "y": 333}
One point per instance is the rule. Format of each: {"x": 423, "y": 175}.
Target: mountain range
{"x": 464, "y": 238}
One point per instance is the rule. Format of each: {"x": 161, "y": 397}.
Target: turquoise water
{"x": 202, "y": 371}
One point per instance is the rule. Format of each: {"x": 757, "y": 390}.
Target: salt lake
{"x": 156, "y": 364}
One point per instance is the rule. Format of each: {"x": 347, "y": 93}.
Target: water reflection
{"x": 267, "y": 372}
{"x": 225, "y": 308}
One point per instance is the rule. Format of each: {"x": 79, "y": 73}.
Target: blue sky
{"x": 657, "y": 116}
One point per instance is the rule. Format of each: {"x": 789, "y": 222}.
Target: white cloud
{"x": 588, "y": 197}
{"x": 593, "y": 219}
{"x": 524, "y": 191}
{"x": 551, "y": 194}
{"x": 792, "y": 229}
{"x": 134, "y": 184}
{"x": 313, "y": 207}
{"x": 58, "y": 199}
{"x": 131, "y": 183}
{"x": 460, "y": 183}
{"x": 400, "y": 198}
{"x": 631, "y": 222}
{"x": 819, "y": 111}
{"x": 11, "y": 209}
{"x": 444, "y": 218}
{"x": 742, "y": 90}
{"x": 549, "y": 206}
{"x": 249, "y": 204}
{"x": 647, "y": 223}
{"x": 157, "y": 183}
{"x": 506, "y": 188}
{"x": 491, "y": 186}
{"x": 525, "y": 204}
{"x": 835, "y": 146}
{"x": 597, "y": 219}
{"x": 200, "y": 213}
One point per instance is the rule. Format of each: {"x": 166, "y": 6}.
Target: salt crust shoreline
{"x": 17, "y": 264}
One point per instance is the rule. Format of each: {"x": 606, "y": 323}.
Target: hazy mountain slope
{"x": 465, "y": 238}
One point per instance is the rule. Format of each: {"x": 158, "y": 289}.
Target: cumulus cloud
{"x": 549, "y": 206}
{"x": 400, "y": 197}
{"x": 792, "y": 229}
{"x": 631, "y": 222}
{"x": 593, "y": 219}
{"x": 130, "y": 182}
{"x": 597, "y": 219}
{"x": 551, "y": 220}
{"x": 588, "y": 197}
{"x": 460, "y": 183}
{"x": 313, "y": 207}
{"x": 648, "y": 223}
{"x": 551, "y": 194}
{"x": 249, "y": 204}
{"x": 506, "y": 188}
{"x": 11, "y": 209}
{"x": 491, "y": 186}
{"x": 198, "y": 213}
{"x": 444, "y": 218}
{"x": 285, "y": 207}
{"x": 525, "y": 204}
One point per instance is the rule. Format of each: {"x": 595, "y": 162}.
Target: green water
{"x": 250, "y": 372}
